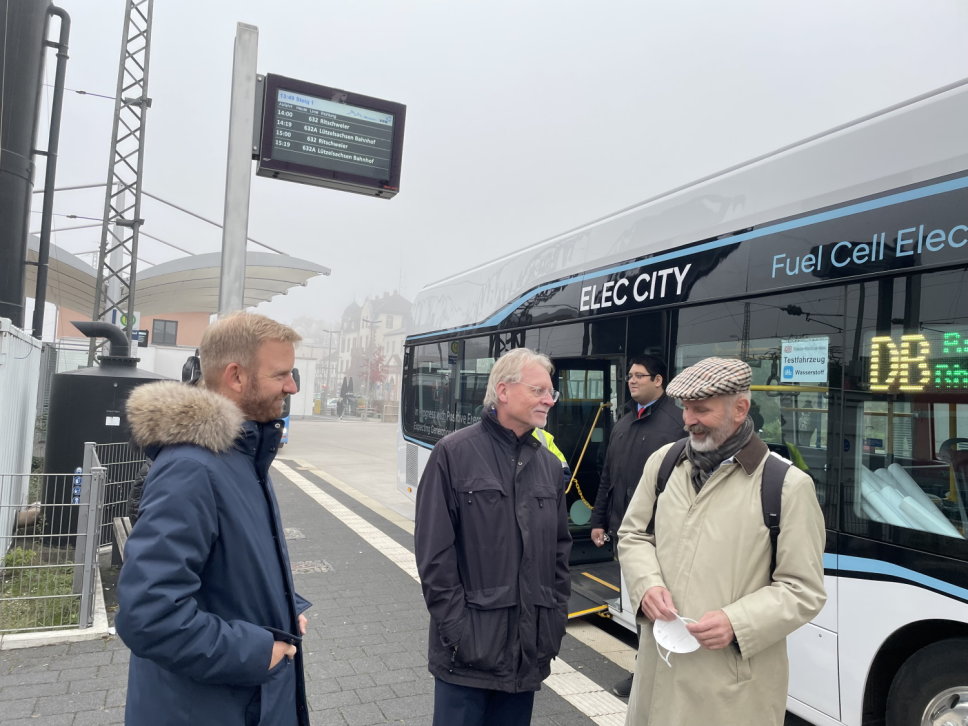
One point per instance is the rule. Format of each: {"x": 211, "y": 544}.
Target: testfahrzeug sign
{"x": 804, "y": 360}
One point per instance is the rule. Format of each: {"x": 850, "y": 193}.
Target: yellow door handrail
{"x": 574, "y": 475}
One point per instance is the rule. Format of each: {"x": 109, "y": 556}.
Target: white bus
{"x": 837, "y": 267}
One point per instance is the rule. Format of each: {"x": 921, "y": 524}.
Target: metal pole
{"x": 238, "y": 173}
{"x": 53, "y": 139}
{"x": 99, "y": 477}
{"x": 329, "y": 364}
{"x": 81, "y": 498}
{"x": 23, "y": 29}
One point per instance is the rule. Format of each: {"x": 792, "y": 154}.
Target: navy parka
{"x": 206, "y": 586}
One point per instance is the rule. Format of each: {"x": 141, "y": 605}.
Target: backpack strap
{"x": 669, "y": 462}
{"x": 771, "y": 497}
{"x": 771, "y": 492}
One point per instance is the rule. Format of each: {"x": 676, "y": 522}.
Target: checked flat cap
{"x": 711, "y": 377}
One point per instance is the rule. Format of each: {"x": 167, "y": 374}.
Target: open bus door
{"x": 581, "y": 422}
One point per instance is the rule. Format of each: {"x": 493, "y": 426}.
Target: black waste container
{"x": 87, "y": 405}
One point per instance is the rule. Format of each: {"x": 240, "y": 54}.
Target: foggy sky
{"x": 524, "y": 119}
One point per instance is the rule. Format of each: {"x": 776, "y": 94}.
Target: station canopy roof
{"x": 184, "y": 285}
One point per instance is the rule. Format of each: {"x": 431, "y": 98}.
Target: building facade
{"x": 371, "y": 347}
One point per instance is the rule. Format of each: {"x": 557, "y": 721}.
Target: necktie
{"x": 641, "y": 413}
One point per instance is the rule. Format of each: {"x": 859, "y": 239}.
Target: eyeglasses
{"x": 639, "y": 376}
{"x": 541, "y": 392}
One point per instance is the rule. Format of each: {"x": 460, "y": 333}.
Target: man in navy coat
{"x": 207, "y": 604}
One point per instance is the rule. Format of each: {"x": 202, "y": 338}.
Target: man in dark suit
{"x": 651, "y": 420}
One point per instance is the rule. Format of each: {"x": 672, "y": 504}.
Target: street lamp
{"x": 329, "y": 360}
{"x": 366, "y": 384}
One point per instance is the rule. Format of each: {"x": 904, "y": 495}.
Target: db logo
{"x": 787, "y": 348}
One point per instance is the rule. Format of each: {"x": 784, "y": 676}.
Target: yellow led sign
{"x": 916, "y": 363}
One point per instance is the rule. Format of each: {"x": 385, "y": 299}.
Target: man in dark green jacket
{"x": 492, "y": 548}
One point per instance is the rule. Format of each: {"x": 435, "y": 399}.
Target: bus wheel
{"x": 931, "y": 687}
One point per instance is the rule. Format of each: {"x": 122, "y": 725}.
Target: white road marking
{"x": 601, "y": 707}
{"x": 367, "y": 501}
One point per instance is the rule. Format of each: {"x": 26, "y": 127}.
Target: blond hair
{"x": 508, "y": 369}
{"x": 235, "y": 339}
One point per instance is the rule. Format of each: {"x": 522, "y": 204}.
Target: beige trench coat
{"x": 712, "y": 551}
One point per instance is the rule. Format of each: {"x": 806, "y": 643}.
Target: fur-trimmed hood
{"x": 168, "y": 412}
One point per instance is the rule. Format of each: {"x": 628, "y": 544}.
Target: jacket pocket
{"x": 543, "y": 530}
{"x": 545, "y": 496}
{"x": 274, "y": 703}
{"x": 741, "y": 666}
{"x": 479, "y": 490}
{"x": 278, "y": 695}
{"x": 186, "y": 701}
{"x": 550, "y": 624}
{"x": 485, "y": 514}
{"x": 484, "y": 641}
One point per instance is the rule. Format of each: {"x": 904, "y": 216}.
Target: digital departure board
{"x": 314, "y": 134}
{"x": 933, "y": 361}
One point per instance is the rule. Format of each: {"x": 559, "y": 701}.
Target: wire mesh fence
{"x": 49, "y": 561}
{"x": 47, "y": 574}
{"x": 123, "y": 463}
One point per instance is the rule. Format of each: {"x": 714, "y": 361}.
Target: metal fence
{"x": 49, "y": 565}
{"x": 65, "y": 356}
{"x": 48, "y": 572}
{"x": 122, "y": 463}
{"x": 52, "y": 525}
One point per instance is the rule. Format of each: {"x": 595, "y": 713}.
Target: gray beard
{"x": 704, "y": 462}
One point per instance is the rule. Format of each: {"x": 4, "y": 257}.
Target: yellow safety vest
{"x": 549, "y": 441}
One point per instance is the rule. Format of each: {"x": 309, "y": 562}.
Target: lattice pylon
{"x": 114, "y": 296}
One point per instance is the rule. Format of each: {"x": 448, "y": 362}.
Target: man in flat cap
{"x": 699, "y": 548}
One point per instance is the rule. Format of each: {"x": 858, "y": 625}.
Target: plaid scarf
{"x": 704, "y": 463}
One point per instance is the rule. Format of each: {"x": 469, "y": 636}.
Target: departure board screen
{"x": 317, "y": 132}
{"x": 319, "y": 135}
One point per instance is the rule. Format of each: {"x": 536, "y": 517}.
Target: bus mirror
{"x": 295, "y": 377}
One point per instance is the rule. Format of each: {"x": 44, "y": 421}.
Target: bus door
{"x": 580, "y": 423}
{"x": 286, "y": 410}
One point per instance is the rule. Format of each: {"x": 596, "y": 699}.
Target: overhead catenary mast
{"x": 121, "y": 222}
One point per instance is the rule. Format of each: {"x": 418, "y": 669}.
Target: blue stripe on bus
{"x": 418, "y": 442}
{"x": 847, "y": 211}
{"x": 844, "y": 564}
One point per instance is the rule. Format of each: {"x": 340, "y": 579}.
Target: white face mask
{"x": 674, "y": 637}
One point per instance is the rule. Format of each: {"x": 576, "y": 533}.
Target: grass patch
{"x": 35, "y": 597}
